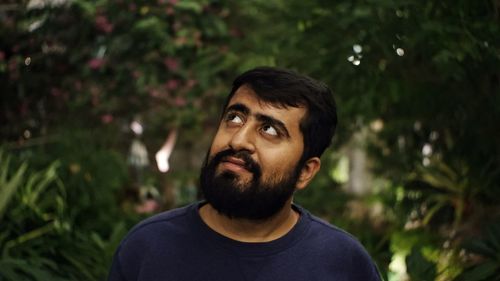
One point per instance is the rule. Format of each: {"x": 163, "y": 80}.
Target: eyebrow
{"x": 239, "y": 107}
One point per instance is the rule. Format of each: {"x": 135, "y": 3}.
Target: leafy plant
{"x": 483, "y": 255}
{"x": 40, "y": 239}
{"x": 420, "y": 268}
{"x": 36, "y": 213}
{"x": 8, "y": 186}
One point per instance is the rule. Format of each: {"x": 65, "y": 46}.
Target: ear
{"x": 309, "y": 170}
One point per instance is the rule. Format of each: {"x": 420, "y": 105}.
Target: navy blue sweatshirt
{"x": 178, "y": 246}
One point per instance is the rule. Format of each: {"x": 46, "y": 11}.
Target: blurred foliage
{"x": 108, "y": 62}
{"x": 422, "y": 77}
{"x": 40, "y": 240}
{"x": 484, "y": 252}
{"x": 73, "y": 75}
{"x": 419, "y": 78}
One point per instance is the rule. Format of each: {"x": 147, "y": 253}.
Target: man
{"x": 274, "y": 128}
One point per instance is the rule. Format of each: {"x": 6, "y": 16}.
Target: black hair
{"x": 285, "y": 88}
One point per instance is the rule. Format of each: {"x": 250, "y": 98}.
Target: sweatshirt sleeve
{"x": 115, "y": 273}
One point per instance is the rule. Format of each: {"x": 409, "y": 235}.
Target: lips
{"x": 234, "y": 160}
{"x": 234, "y": 163}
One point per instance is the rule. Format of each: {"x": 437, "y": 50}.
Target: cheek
{"x": 285, "y": 159}
{"x": 217, "y": 142}
{"x": 278, "y": 165}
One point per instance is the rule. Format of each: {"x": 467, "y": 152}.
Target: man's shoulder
{"x": 326, "y": 229}
{"x": 333, "y": 245}
{"x": 154, "y": 225}
{"x": 332, "y": 230}
{"x": 330, "y": 238}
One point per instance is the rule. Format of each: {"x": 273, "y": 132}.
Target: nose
{"x": 243, "y": 139}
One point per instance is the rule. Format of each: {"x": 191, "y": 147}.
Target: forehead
{"x": 290, "y": 116}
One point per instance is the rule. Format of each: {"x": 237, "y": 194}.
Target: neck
{"x": 245, "y": 230}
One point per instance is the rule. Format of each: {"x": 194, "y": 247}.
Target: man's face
{"x": 252, "y": 167}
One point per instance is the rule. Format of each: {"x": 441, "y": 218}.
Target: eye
{"x": 270, "y": 130}
{"x": 234, "y": 118}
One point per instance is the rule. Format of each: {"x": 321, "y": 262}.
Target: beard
{"x": 255, "y": 199}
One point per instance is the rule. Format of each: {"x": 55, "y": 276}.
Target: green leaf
{"x": 8, "y": 187}
{"x": 19, "y": 269}
{"x": 4, "y": 165}
{"x": 481, "y": 248}
{"x": 441, "y": 202}
{"x": 46, "y": 178}
{"x": 87, "y": 7}
{"x": 484, "y": 271}
{"x": 189, "y": 6}
{"x": 419, "y": 268}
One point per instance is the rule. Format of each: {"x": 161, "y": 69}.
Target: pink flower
{"x": 169, "y": 11}
{"x": 171, "y": 63}
{"x": 154, "y": 93}
{"x": 173, "y": 2}
{"x": 172, "y": 84}
{"x": 180, "y": 101}
{"x": 102, "y": 23}
{"x": 2, "y": 56}
{"x": 191, "y": 83}
{"x": 96, "y": 63}
{"x": 107, "y": 118}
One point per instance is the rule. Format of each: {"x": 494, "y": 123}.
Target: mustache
{"x": 249, "y": 163}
